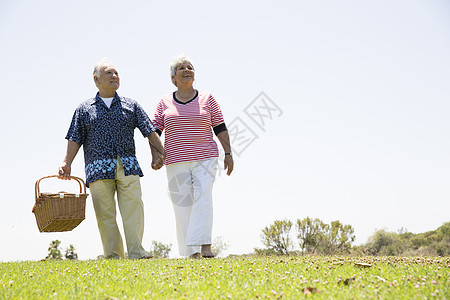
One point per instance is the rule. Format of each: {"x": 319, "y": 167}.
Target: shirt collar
{"x": 98, "y": 98}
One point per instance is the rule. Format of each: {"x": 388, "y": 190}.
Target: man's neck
{"x": 107, "y": 94}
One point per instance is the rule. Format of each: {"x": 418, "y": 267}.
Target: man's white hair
{"x": 177, "y": 61}
{"x": 99, "y": 64}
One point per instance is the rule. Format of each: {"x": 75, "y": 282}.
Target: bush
{"x": 53, "y": 251}
{"x": 337, "y": 239}
{"x": 431, "y": 243}
{"x": 70, "y": 253}
{"x": 276, "y": 237}
{"x": 160, "y": 250}
{"x": 314, "y": 237}
{"x": 265, "y": 252}
{"x": 219, "y": 246}
{"x": 310, "y": 234}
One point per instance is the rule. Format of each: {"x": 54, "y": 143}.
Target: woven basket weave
{"x": 58, "y": 212}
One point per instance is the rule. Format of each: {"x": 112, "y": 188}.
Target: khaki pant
{"x": 129, "y": 199}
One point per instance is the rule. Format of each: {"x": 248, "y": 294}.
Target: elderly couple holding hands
{"x": 104, "y": 126}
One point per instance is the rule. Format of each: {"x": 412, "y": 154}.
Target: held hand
{"x": 157, "y": 162}
{"x": 228, "y": 164}
{"x": 64, "y": 172}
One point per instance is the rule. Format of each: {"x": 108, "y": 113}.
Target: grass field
{"x": 230, "y": 278}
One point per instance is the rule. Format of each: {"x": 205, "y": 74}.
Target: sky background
{"x": 359, "y": 134}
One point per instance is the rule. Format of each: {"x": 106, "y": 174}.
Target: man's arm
{"x": 72, "y": 150}
{"x": 157, "y": 149}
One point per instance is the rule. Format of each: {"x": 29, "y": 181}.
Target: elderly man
{"x": 105, "y": 125}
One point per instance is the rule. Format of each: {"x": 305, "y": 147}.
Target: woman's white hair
{"x": 99, "y": 64}
{"x": 177, "y": 61}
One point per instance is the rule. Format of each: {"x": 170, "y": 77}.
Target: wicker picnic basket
{"x": 57, "y": 212}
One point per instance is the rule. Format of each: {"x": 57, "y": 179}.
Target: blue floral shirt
{"x": 107, "y": 132}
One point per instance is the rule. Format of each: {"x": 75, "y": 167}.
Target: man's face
{"x": 107, "y": 78}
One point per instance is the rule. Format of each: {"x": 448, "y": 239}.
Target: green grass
{"x": 235, "y": 278}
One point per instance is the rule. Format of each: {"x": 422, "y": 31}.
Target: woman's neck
{"x": 184, "y": 94}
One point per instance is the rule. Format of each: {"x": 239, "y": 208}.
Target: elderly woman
{"x": 189, "y": 118}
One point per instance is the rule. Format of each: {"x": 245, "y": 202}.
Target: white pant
{"x": 190, "y": 189}
{"x": 129, "y": 199}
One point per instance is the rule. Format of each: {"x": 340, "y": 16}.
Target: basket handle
{"x": 79, "y": 180}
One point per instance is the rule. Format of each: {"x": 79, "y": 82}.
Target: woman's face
{"x": 184, "y": 74}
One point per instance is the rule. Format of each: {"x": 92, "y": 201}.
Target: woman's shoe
{"x": 208, "y": 254}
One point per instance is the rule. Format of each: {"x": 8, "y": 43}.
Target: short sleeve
{"x": 216, "y": 112}
{"x": 143, "y": 122}
{"x": 77, "y": 130}
{"x": 158, "y": 119}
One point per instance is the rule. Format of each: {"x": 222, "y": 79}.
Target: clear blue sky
{"x": 361, "y": 134}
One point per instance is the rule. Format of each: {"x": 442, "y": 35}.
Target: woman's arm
{"x": 228, "y": 163}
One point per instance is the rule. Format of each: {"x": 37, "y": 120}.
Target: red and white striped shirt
{"x": 188, "y": 127}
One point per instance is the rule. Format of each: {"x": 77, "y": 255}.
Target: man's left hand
{"x": 157, "y": 162}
